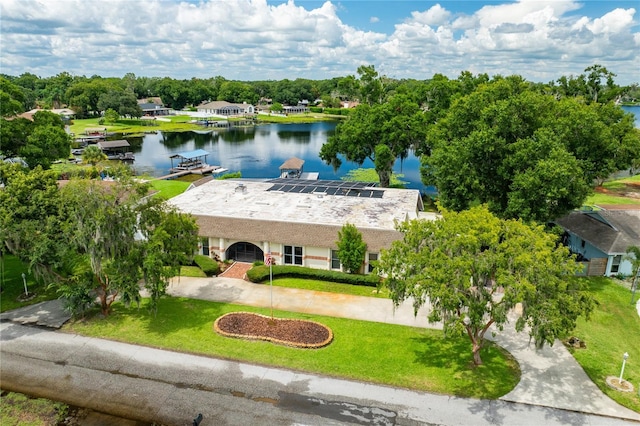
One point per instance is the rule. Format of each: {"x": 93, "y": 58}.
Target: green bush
{"x": 260, "y": 273}
{"x": 316, "y": 109}
{"x": 209, "y": 266}
{"x": 333, "y": 111}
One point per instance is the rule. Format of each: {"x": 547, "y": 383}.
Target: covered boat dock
{"x": 193, "y": 162}
{"x": 116, "y": 150}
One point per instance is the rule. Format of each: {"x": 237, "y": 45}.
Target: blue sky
{"x": 272, "y": 40}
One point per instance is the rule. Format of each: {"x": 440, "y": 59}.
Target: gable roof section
{"x": 611, "y": 231}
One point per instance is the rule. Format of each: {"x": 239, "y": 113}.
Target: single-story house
{"x": 225, "y": 109}
{"x": 152, "y": 107}
{"x": 601, "y": 238}
{"x": 298, "y": 109}
{"x": 64, "y": 113}
{"x": 295, "y": 220}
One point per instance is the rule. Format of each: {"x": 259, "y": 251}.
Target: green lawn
{"x": 317, "y": 285}
{"x": 615, "y": 187}
{"x": 18, "y": 409}
{"x": 11, "y": 270}
{"x": 597, "y": 199}
{"x": 614, "y": 328}
{"x": 374, "y": 352}
{"x": 169, "y": 188}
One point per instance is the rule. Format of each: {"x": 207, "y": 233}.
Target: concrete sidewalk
{"x": 551, "y": 377}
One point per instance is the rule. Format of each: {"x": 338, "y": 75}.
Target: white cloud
{"x": 252, "y": 39}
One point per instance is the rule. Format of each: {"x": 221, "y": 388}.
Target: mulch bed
{"x": 290, "y": 332}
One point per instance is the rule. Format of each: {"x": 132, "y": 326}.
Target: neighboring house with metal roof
{"x": 601, "y": 238}
{"x": 225, "y": 109}
{"x": 296, "y": 220}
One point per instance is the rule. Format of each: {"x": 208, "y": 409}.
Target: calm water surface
{"x": 257, "y": 152}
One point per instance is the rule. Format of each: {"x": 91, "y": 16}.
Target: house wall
{"x": 579, "y": 246}
{"x": 600, "y": 262}
{"x": 312, "y": 257}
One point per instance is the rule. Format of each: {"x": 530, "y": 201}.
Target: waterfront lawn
{"x": 169, "y": 188}
{"x": 613, "y": 329}
{"x": 174, "y": 124}
{"x": 11, "y": 270}
{"x": 388, "y": 354}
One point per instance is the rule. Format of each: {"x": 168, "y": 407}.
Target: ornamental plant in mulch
{"x": 289, "y": 332}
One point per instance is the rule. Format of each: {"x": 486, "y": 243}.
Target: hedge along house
{"x": 601, "y": 238}
{"x": 296, "y": 220}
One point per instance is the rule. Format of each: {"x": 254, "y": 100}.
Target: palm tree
{"x": 93, "y": 155}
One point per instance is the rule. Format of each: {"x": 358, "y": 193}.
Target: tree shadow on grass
{"x": 497, "y": 376}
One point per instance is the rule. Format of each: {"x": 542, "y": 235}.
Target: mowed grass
{"x": 387, "y": 354}
{"x": 19, "y": 409}
{"x": 11, "y": 270}
{"x": 618, "y": 185}
{"x": 330, "y": 287}
{"x": 599, "y": 199}
{"x": 614, "y": 328}
{"x": 169, "y": 188}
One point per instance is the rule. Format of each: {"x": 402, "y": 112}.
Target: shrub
{"x": 209, "y": 266}
{"x": 260, "y": 273}
{"x": 315, "y": 109}
{"x": 258, "y": 263}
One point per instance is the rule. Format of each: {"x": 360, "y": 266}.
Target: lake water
{"x": 635, "y": 110}
{"x": 257, "y": 152}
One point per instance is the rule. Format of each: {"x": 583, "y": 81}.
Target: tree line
{"x": 95, "y": 94}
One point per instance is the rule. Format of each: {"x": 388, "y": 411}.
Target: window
{"x": 292, "y": 255}
{"x": 205, "y": 246}
{"x": 615, "y": 264}
{"x": 373, "y": 257}
{"x": 335, "y": 262}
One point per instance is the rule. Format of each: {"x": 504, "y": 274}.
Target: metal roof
{"x": 113, "y": 144}
{"x": 191, "y": 154}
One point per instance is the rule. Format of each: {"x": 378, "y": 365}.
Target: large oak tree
{"x": 379, "y": 132}
{"x": 524, "y": 153}
{"x": 471, "y": 269}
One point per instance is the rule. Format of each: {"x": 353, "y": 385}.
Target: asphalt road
{"x": 171, "y": 388}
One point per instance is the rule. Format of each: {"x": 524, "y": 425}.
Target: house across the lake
{"x": 225, "y": 109}
{"x": 296, "y": 220}
{"x": 601, "y": 238}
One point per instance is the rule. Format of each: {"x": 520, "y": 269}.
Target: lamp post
{"x": 270, "y": 263}
{"x": 624, "y": 361}
{"x": 24, "y": 281}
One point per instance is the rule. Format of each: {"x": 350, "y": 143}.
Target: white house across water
{"x": 296, "y": 220}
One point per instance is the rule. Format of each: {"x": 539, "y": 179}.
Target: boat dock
{"x": 196, "y": 171}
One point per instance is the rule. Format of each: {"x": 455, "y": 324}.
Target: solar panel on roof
{"x": 377, "y": 194}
